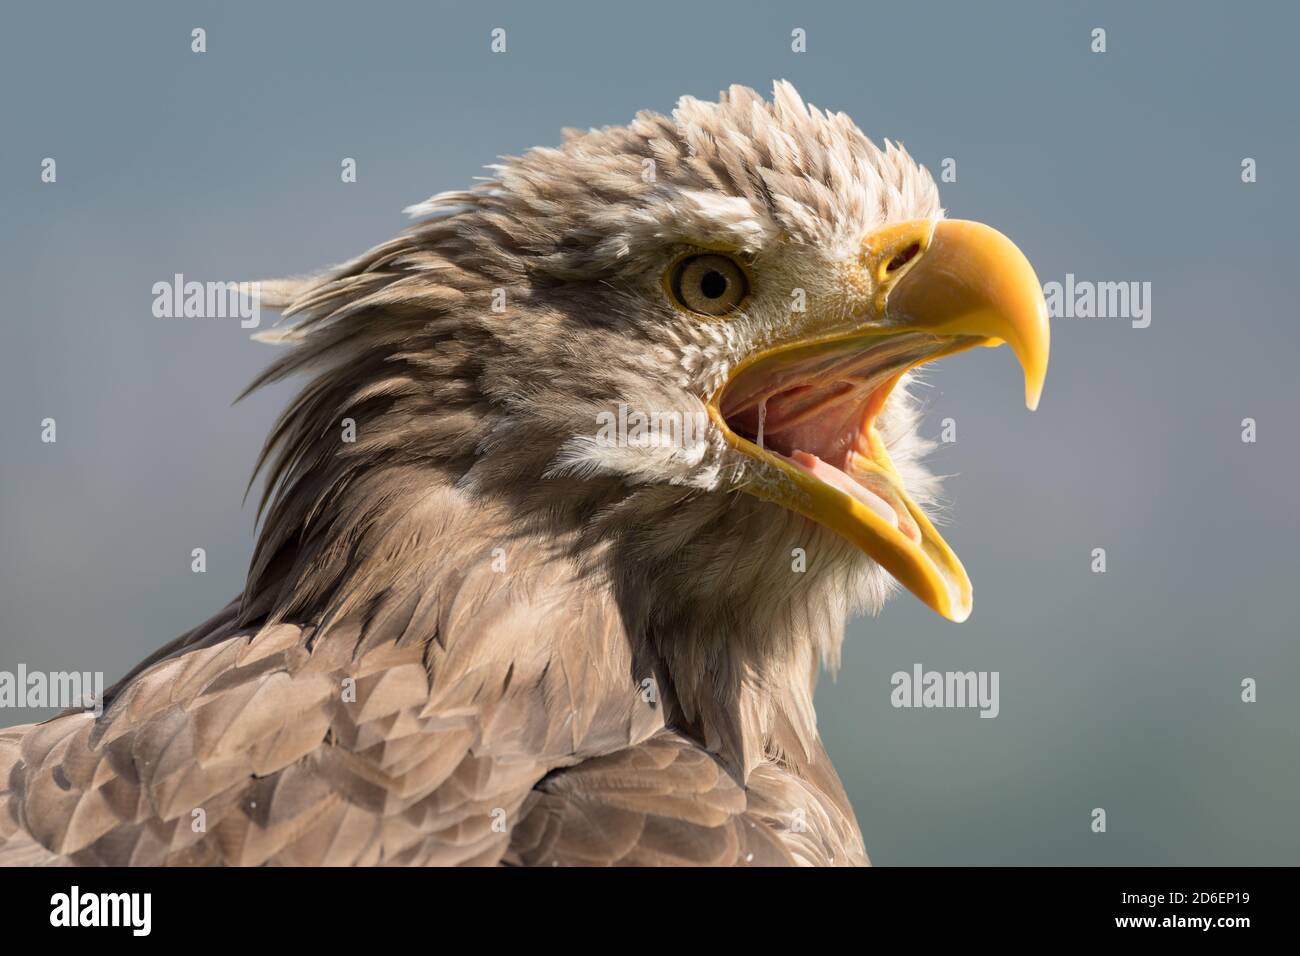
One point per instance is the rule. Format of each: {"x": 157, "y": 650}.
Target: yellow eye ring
{"x": 708, "y": 284}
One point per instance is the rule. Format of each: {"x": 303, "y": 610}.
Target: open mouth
{"x": 809, "y": 409}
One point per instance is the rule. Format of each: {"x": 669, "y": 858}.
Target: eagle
{"x": 591, "y": 466}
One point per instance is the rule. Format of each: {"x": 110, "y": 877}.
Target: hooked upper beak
{"x": 939, "y": 287}
{"x": 970, "y": 279}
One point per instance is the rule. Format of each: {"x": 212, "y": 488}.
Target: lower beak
{"x": 960, "y": 284}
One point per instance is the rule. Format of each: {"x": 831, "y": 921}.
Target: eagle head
{"x": 678, "y": 347}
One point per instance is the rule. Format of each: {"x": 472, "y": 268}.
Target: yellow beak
{"x": 970, "y": 279}
{"x": 958, "y": 284}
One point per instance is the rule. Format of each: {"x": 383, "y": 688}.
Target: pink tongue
{"x": 837, "y": 479}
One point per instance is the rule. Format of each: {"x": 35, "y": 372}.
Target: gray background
{"x": 1118, "y": 690}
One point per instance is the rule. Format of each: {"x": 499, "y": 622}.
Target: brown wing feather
{"x": 667, "y": 801}
{"x": 481, "y": 719}
{"x": 365, "y": 745}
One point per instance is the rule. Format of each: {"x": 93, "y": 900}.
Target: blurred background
{"x": 1119, "y": 690}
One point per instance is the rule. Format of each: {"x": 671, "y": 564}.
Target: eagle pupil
{"x": 713, "y": 284}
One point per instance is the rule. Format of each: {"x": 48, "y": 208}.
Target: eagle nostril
{"x": 904, "y": 257}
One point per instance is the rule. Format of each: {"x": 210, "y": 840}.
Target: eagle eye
{"x": 708, "y": 284}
